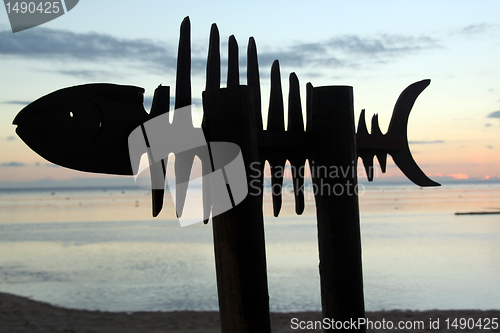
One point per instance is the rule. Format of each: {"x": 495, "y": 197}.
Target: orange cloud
{"x": 458, "y": 176}
{"x": 436, "y": 175}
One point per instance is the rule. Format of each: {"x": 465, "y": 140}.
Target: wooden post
{"x": 240, "y": 256}
{"x": 334, "y": 174}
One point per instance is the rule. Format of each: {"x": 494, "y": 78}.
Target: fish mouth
{"x": 29, "y": 116}
{"x": 26, "y": 128}
{"x": 21, "y": 122}
{"x": 27, "y": 122}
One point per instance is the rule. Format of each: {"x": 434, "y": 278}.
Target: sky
{"x": 378, "y": 47}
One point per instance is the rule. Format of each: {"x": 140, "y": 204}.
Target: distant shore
{"x": 20, "y": 314}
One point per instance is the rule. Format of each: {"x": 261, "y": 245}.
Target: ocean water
{"x": 101, "y": 249}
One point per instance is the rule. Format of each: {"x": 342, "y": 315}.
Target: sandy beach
{"x": 20, "y": 314}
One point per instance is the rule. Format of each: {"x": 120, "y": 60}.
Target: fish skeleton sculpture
{"x": 104, "y": 128}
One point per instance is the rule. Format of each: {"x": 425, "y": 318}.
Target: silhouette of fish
{"x": 85, "y": 127}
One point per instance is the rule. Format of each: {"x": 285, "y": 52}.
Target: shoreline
{"x": 21, "y": 314}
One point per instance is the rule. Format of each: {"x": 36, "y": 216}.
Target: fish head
{"x": 84, "y": 127}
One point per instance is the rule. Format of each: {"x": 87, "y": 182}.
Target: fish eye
{"x": 79, "y": 120}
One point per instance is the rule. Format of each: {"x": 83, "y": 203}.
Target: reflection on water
{"x": 102, "y": 250}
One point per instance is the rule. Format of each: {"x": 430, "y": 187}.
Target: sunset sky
{"x": 378, "y": 47}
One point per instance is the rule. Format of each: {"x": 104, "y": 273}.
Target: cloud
{"x": 383, "y": 44}
{"x": 435, "y": 175}
{"x": 17, "y": 102}
{"x": 495, "y": 114}
{"x": 88, "y": 74}
{"x": 348, "y": 51}
{"x": 12, "y": 164}
{"x": 476, "y": 28}
{"x": 60, "y": 44}
{"x": 461, "y": 177}
{"x": 489, "y": 146}
{"x": 481, "y": 28}
{"x": 313, "y": 74}
{"x": 425, "y": 142}
{"x": 458, "y": 176}
{"x": 19, "y": 164}
{"x": 11, "y": 138}
{"x": 487, "y": 125}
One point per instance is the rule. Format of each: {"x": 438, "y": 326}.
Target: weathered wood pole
{"x": 334, "y": 175}
{"x": 240, "y": 256}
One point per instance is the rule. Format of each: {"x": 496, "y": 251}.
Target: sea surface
{"x": 100, "y": 249}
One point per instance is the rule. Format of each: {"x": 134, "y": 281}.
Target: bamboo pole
{"x": 335, "y": 185}
{"x": 239, "y": 244}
